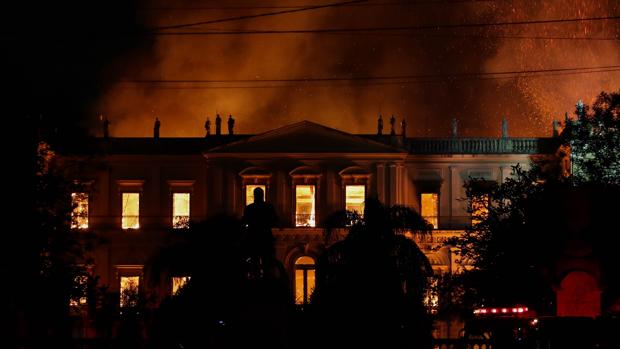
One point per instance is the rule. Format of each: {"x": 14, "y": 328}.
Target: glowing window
{"x": 79, "y": 215}
{"x": 131, "y": 211}
{"x": 129, "y": 291}
{"x": 430, "y": 208}
{"x": 80, "y": 283}
{"x": 180, "y": 210}
{"x": 305, "y": 206}
{"x": 355, "y": 195}
{"x": 304, "y": 279}
{"x": 249, "y": 193}
{"x": 178, "y": 282}
{"x": 479, "y": 208}
{"x": 431, "y": 298}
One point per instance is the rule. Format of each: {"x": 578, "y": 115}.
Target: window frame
{"x": 180, "y": 187}
{"x": 129, "y": 271}
{"x": 305, "y": 175}
{"x": 130, "y": 186}
{"x": 307, "y": 293}
{"x": 76, "y": 225}
{"x": 438, "y": 209}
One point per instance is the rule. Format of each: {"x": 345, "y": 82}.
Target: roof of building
{"x": 310, "y": 137}
{"x": 306, "y": 137}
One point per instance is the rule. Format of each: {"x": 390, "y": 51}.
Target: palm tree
{"x": 370, "y": 286}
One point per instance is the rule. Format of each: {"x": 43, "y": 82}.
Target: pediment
{"x": 305, "y": 137}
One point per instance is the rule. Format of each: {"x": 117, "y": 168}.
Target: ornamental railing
{"x": 481, "y": 145}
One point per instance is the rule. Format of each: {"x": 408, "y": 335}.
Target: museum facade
{"x": 146, "y": 189}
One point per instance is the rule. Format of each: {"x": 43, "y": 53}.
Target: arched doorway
{"x": 304, "y": 279}
{"x": 578, "y": 295}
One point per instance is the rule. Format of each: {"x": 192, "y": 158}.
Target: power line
{"x": 423, "y": 36}
{"x": 368, "y": 78}
{"x": 377, "y": 83}
{"x": 266, "y": 14}
{"x": 263, "y": 7}
{"x": 387, "y": 29}
{"x": 366, "y": 83}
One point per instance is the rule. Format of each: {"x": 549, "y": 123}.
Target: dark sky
{"x": 87, "y": 61}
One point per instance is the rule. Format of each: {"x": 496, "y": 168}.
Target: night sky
{"x": 132, "y": 61}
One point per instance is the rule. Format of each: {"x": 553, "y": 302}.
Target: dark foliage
{"x": 540, "y": 217}
{"x": 232, "y": 300}
{"x": 370, "y": 285}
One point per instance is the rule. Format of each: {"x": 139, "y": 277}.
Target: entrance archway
{"x": 579, "y": 295}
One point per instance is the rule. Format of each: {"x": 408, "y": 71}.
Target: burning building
{"x": 148, "y": 189}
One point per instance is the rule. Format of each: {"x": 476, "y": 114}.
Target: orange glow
{"x": 479, "y": 208}
{"x": 180, "y": 210}
{"x": 304, "y": 279}
{"x": 249, "y": 192}
{"x": 130, "y": 211}
{"x": 305, "y": 206}
{"x": 79, "y": 215}
{"x": 80, "y": 282}
{"x": 355, "y": 195}
{"x": 129, "y": 291}
{"x": 178, "y": 282}
{"x": 430, "y": 208}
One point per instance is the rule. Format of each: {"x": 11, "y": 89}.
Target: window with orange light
{"x": 249, "y": 192}
{"x": 304, "y": 279}
{"x": 429, "y": 204}
{"x": 129, "y": 291}
{"x": 79, "y": 214}
{"x": 79, "y": 296}
{"x": 130, "y": 214}
{"x": 180, "y": 210}
{"x": 305, "y": 209}
{"x": 178, "y": 282}
{"x": 355, "y": 196}
{"x": 479, "y": 208}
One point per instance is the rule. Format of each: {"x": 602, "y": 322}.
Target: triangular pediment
{"x": 306, "y": 137}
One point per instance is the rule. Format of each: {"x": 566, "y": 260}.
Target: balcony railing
{"x": 481, "y": 145}
{"x": 180, "y": 222}
{"x": 454, "y": 222}
{"x": 305, "y": 220}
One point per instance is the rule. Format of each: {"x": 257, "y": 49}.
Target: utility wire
{"x": 266, "y": 14}
{"x": 423, "y": 36}
{"x": 402, "y": 83}
{"x": 366, "y": 78}
{"x": 263, "y": 7}
{"x": 388, "y": 29}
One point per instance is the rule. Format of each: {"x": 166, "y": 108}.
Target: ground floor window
{"x": 178, "y": 282}
{"x": 304, "y": 279}
{"x": 129, "y": 291}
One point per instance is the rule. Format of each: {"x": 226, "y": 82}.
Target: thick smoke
{"x": 529, "y": 103}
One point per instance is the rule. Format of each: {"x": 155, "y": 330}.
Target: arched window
{"x": 304, "y": 279}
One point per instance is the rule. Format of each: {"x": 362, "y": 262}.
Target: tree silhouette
{"x": 540, "y": 216}
{"x": 370, "y": 286}
{"x": 231, "y": 299}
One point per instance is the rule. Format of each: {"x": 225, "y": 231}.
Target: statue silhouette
{"x": 106, "y": 128}
{"x": 455, "y": 125}
{"x": 258, "y": 219}
{"x": 208, "y": 127}
{"x": 156, "y": 128}
{"x": 231, "y": 124}
{"x": 218, "y": 125}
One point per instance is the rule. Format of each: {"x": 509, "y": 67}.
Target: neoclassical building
{"x": 147, "y": 188}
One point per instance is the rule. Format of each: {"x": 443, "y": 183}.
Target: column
{"x": 392, "y": 183}
{"x": 381, "y": 182}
